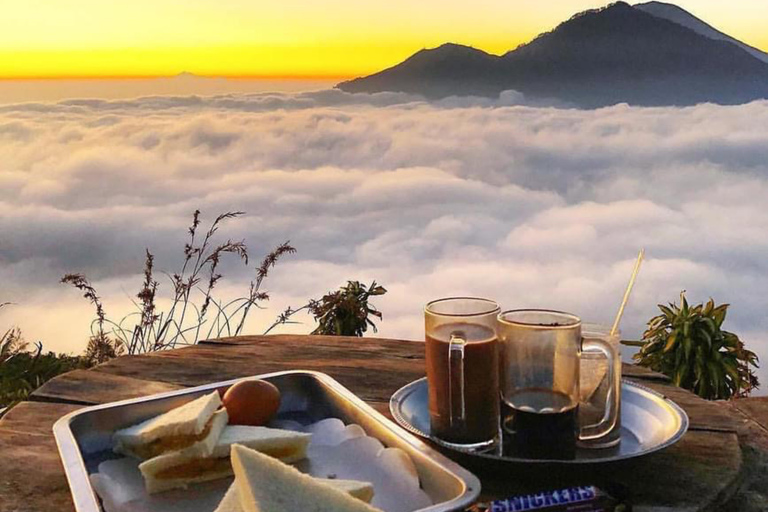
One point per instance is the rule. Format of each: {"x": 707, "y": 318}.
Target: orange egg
{"x": 251, "y": 402}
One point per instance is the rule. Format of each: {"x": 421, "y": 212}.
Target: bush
{"x": 21, "y": 371}
{"x": 344, "y": 312}
{"x": 25, "y": 372}
{"x": 689, "y": 345}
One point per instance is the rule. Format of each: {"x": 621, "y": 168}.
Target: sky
{"x": 530, "y": 206}
{"x": 288, "y": 38}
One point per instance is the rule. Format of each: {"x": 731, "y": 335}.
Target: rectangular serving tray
{"x": 84, "y": 436}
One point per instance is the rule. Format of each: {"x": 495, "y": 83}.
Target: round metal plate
{"x": 649, "y": 422}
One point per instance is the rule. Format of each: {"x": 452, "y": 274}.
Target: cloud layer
{"x": 531, "y": 206}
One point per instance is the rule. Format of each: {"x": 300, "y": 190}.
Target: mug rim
{"x": 576, "y": 321}
{"x": 494, "y": 309}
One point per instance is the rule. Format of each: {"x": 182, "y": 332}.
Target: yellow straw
{"x": 626, "y": 293}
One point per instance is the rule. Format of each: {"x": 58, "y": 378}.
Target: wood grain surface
{"x": 700, "y": 473}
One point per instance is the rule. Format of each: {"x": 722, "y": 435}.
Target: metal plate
{"x": 649, "y": 422}
{"x": 84, "y": 436}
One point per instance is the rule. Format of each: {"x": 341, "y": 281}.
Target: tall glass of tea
{"x": 540, "y": 362}
{"x": 462, "y": 371}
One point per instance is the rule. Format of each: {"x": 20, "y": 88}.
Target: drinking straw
{"x": 627, "y": 292}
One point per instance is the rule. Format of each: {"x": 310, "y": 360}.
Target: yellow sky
{"x": 83, "y": 38}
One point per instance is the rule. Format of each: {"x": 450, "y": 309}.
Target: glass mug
{"x": 462, "y": 371}
{"x": 540, "y": 361}
{"x": 597, "y": 389}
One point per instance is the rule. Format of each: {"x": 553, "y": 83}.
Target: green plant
{"x": 11, "y": 341}
{"x": 344, "y": 312}
{"x": 26, "y": 371}
{"x": 688, "y": 344}
{"x": 21, "y": 371}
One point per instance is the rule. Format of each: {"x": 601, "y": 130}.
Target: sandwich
{"x": 193, "y": 428}
{"x": 265, "y": 484}
{"x": 355, "y": 488}
{"x": 180, "y": 469}
{"x": 360, "y": 490}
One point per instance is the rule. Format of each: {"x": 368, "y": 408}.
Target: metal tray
{"x": 84, "y": 436}
{"x": 649, "y": 422}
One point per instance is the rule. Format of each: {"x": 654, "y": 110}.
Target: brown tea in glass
{"x": 462, "y": 371}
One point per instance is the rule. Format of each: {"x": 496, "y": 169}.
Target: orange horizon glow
{"x": 178, "y": 75}
{"x": 290, "y": 40}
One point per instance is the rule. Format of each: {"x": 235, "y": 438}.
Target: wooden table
{"x": 701, "y": 472}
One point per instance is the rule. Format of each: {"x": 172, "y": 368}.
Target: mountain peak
{"x": 614, "y": 5}
{"x": 451, "y": 50}
{"x": 675, "y": 14}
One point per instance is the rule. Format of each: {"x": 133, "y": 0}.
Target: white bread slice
{"x": 181, "y": 468}
{"x": 187, "y": 421}
{"x": 286, "y": 445}
{"x": 360, "y": 490}
{"x": 231, "y": 501}
{"x": 265, "y": 484}
{"x": 355, "y": 488}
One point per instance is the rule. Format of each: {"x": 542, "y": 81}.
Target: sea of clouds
{"x": 532, "y": 206}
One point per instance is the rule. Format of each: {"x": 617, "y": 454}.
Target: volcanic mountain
{"x": 616, "y": 54}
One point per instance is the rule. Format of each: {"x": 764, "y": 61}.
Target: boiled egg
{"x": 251, "y": 402}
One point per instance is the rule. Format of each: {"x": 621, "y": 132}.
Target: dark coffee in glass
{"x": 540, "y": 424}
{"x": 540, "y": 355}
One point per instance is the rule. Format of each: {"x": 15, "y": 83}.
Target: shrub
{"x": 344, "y": 312}
{"x": 21, "y": 372}
{"x": 26, "y": 371}
{"x": 688, "y": 344}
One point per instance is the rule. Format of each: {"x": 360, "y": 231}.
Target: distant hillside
{"x": 600, "y": 57}
{"x": 682, "y": 17}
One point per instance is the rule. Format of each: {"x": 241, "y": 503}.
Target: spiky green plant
{"x": 688, "y": 344}
{"x": 344, "y": 312}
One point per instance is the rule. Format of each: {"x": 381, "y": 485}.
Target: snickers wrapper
{"x": 571, "y": 499}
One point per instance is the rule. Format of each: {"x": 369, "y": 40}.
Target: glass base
{"x": 480, "y": 447}
{"x": 609, "y": 441}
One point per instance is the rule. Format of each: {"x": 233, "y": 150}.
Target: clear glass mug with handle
{"x": 462, "y": 371}
{"x": 541, "y": 355}
{"x": 597, "y": 389}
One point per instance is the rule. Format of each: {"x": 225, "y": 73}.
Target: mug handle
{"x": 610, "y": 417}
{"x": 456, "y": 405}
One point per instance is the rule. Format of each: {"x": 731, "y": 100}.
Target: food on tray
{"x": 265, "y": 484}
{"x": 179, "y": 469}
{"x": 231, "y": 501}
{"x": 194, "y": 428}
{"x": 286, "y": 445}
{"x": 360, "y": 490}
{"x": 251, "y": 402}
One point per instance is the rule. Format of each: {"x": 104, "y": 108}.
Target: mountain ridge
{"x": 599, "y": 57}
